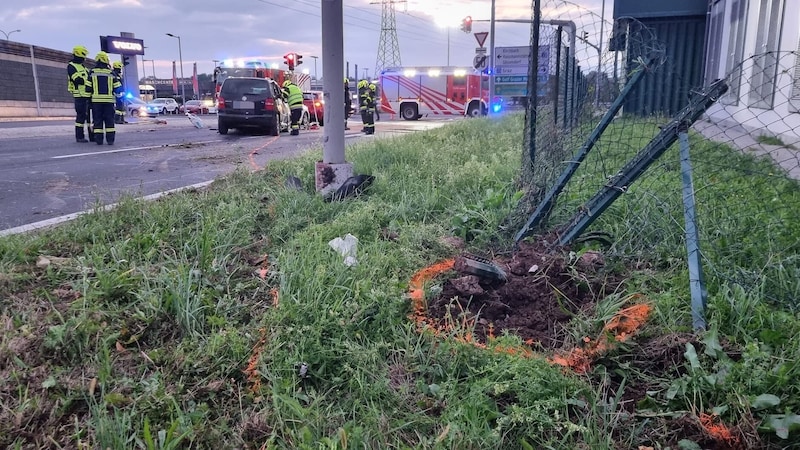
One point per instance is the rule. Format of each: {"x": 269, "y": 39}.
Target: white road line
{"x": 58, "y": 220}
{"x": 133, "y": 149}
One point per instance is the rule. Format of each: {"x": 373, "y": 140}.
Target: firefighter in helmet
{"x": 364, "y": 104}
{"x": 77, "y": 77}
{"x": 348, "y": 102}
{"x": 294, "y": 97}
{"x": 119, "y": 106}
{"x": 105, "y": 88}
{"x": 373, "y": 93}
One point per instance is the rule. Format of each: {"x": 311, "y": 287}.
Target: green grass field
{"x": 222, "y": 319}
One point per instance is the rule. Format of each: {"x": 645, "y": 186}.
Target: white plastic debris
{"x": 347, "y": 248}
{"x": 195, "y": 120}
{"x": 533, "y": 268}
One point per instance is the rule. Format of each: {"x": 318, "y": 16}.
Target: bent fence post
{"x": 696, "y": 283}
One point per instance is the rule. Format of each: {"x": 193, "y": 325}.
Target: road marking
{"x": 150, "y": 147}
{"x": 255, "y": 150}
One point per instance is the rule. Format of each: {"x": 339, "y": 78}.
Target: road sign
{"x": 481, "y": 37}
{"x": 512, "y": 60}
{"x": 480, "y": 50}
{"x": 511, "y": 79}
{"x": 511, "y": 70}
{"x": 480, "y": 62}
{"x": 522, "y": 51}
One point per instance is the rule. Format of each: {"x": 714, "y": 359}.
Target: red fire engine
{"x": 258, "y": 70}
{"x": 414, "y": 92}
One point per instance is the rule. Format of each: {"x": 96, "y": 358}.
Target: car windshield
{"x": 159, "y": 100}
{"x": 194, "y": 103}
{"x": 243, "y": 87}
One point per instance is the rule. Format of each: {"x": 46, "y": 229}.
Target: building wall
{"x": 18, "y": 85}
{"x": 748, "y": 102}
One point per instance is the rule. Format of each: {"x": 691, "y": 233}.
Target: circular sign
{"x": 479, "y": 62}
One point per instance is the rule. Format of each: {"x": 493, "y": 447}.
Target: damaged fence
{"x": 612, "y": 165}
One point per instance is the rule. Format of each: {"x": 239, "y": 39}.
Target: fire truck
{"x": 258, "y": 70}
{"x": 414, "y": 92}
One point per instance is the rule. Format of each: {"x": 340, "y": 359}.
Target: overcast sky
{"x": 265, "y": 29}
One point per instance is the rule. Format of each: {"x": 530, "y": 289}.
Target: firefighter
{"x": 105, "y": 88}
{"x": 294, "y": 97}
{"x": 373, "y": 93}
{"x": 119, "y": 107}
{"x": 366, "y": 105}
{"x": 77, "y": 78}
{"x": 348, "y": 102}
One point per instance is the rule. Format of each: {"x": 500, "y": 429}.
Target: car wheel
{"x": 409, "y": 112}
{"x": 320, "y": 121}
{"x": 135, "y": 113}
{"x": 275, "y": 128}
{"x": 222, "y": 128}
{"x": 164, "y": 111}
{"x": 305, "y": 121}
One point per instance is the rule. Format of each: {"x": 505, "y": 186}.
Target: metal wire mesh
{"x": 744, "y": 152}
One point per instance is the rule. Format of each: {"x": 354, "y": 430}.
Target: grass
{"x": 185, "y": 322}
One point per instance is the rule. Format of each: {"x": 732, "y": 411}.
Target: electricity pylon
{"x": 388, "y": 47}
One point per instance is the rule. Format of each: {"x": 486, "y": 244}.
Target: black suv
{"x": 252, "y": 102}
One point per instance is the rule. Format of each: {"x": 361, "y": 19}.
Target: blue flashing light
{"x": 496, "y": 107}
{"x": 128, "y": 95}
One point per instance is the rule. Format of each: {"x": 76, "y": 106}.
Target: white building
{"x": 755, "y": 44}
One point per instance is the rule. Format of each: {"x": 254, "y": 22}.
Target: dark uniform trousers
{"x": 103, "y": 119}
{"x": 82, "y": 109}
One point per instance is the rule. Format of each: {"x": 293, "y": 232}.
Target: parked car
{"x": 135, "y": 107}
{"x": 162, "y": 106}
{"x": 198, "y": 107}
{"x": 313, "y": 100}
{"x": 252, "y": 102}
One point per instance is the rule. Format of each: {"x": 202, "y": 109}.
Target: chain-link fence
{"x": 604, "y": 157}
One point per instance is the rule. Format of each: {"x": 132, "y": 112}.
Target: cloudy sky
{"x": 266, "y": 29}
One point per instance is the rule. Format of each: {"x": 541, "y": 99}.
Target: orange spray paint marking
{"x": 253, "y": 376}
{"x": 716, "y": 429}
{"x": 253, "y": 153}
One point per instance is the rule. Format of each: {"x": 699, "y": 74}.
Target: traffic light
{"x": 585, "y": 35}
{"x": 298, "y": 59}
{"x": 288, "y": 59}
{"x": 126, "y": 60}
{"x": 466, "y": 24}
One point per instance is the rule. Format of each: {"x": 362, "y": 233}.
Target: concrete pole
{"x": 599, "y": 56}
{"x": 333, "y": 170}
{"x": 491, "y": 61}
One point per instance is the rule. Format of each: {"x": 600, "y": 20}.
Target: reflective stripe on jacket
{"x": 103, "y": 85}
{"x": 77, "y": 71}
{"x": 294, "y": 96}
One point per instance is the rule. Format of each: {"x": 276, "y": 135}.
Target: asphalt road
{"x": 45, "y": 174}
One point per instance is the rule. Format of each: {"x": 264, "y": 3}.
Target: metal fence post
{"x": 36, "y": 84}
{"x": 696, "y": 284}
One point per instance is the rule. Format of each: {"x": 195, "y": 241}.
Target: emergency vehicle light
{"x": 434, "y": 72}
{"x": 409, "y": 72}
{"x": 459, "y": 72}
{"x": 128, "y": 95}
{"x": 496, "y": 107}
{"x": 227, "y": 63}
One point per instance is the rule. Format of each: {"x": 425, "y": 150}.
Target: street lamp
{"x": 9, "y": 33}
{"x": 180, "y": 58}
{"x": 315, "y": 67}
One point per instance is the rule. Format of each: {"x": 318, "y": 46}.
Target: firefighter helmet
{"x": 102, "y": 57}
{"x": 362, "y": 84}
{"x": 117, "y": 65}
{"x": 80, "y": 51}
{"x": 372, "y": 87}
{"x": 346, "y": 81}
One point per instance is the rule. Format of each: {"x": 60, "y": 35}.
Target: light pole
{"x": 448, "y": 46}
{"x": 365, "y": 73}
{"x": 180, "y": 58}
{"x": 9, "y": 33}
{"x": 315, "y": 67}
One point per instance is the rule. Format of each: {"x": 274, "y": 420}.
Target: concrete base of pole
{"x": 330, "y": 177}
